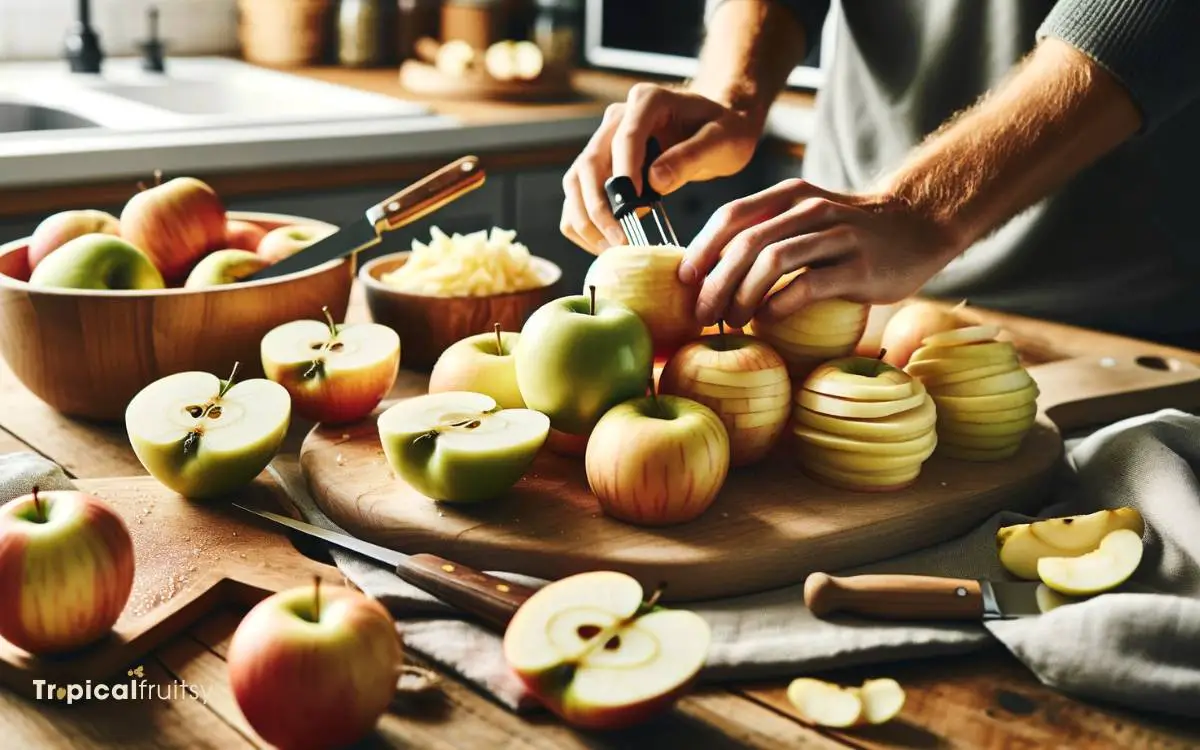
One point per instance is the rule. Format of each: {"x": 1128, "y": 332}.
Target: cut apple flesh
{"x": 944, "y": 368}
{"x": 861, "y": 379}
{"x": 961, "y": 336}
{"x": 991, "y": 350}
{"x": 827, "y": 705}
{"x": 1013, "y": 380}
{"x": 303, "y": 343}
{"x": 989, "y": 429}
{"x": 868, "y": 447}
{"x": 839, "y": 407}
{"x": 882, "y": 699}
{"x": 997, "y": 402}
{"x": 896, "y": 427}
{"x": 1022, "y": 545}
{"x": 1103, "y": 569}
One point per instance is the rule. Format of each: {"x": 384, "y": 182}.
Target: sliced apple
{"x": 599, "y": 656}
{"x": 875, "y": 481}
{"x": 1103, "y": 569}
{"x": 822, "y": 703}
{"x": 897, "y": 427}
{"x": 460, "y": 446}
{"x": 1022, "y": 545}
{"x": 989, "y": 416}
{"x": 1013, "y": 380}
{"x": 882, "y": 699}
{"x": 838, "y": 407}
{"x": 995, "y": 402}
{"x": 869, "y": 447}
{"x": 863, "y": 463}
{"x": 961, "y": 336}
{"x": 962, "y": 376}
{"x": 989, "y": 350}
{"x": 1049, "y": 600}
{"x": 861, "y": 379}
{"x": 943, "y": 366}
{"x": 988, "y": 429}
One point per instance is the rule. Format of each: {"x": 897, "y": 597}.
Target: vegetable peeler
{"x": 625, "y": 202}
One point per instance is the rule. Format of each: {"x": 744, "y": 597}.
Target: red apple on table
{"x": 284, "y": 242}
{"x": 593, "y": 652}
{"x": 243, "y": 235}
{"x": 175, "y": 223}
{"x": 335, "y": 374}
{"x": 66, "y": 571}
{"x": 64, "y": 226}
{"x": 314, "y": 667}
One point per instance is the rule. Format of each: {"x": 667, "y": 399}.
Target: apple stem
{"x": 592, "y": 305}
{"x": 879, "y": 361}
{"x": 333, "y": 330}
{"x": 655, "y": 595}
{"x": 499, "y": 341}
{"x": 37, "y": 506}
{"x": 141, "y": 186}
{"x": 228, "y": 383}
{"x": 316, "y": 598}
{"x": 158, "y": 177}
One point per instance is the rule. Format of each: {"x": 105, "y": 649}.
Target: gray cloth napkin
{"x": 1137, "y": 649}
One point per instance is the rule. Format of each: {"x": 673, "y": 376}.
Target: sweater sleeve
{"x": 1150, "y": 46}
{"x": 810, "y": 13}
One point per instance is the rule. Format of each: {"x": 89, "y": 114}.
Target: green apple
{"x": 224, "y": 267}
{"x": 579, "y": 356}
{"x": 97, "y": 261}
{"x": 64, "y": 226}
{"x": 204, "y": 437}
{"x": 600, "y": 657}
{"x": 460, "y": 446}
{"x": 482, "y": 364}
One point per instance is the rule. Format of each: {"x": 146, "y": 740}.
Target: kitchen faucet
{"x": 83, "y": 44}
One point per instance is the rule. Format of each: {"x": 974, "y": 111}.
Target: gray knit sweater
{"x": 1117, "y": 248}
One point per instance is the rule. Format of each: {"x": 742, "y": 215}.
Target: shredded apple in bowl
{"x": 471, "y": 265}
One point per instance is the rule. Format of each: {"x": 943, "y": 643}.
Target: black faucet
{"x": 83, "y": 44}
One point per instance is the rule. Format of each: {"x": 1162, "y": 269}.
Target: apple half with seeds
{"x": 460, "y": 446}
{"x": 600, "y": 657}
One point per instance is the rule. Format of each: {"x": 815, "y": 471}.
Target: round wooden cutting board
{"x": 770, "y": 526}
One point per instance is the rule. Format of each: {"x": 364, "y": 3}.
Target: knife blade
{"x": 493, "y": 600}
{"x": 913, "y": 597}
{"x": 410, "y": 204}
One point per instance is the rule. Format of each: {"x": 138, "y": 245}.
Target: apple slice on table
{"x": 335, "y": 374}
{"x": 743, "y": 380}
{"x": 175, "y": 223}
{"x": 459, "y": 446}
{"x": 482, "y": 363}
{"x": 657, "y": 460}
{"x": 1022, "y": 545}
{"x": 579, "y": 356}
{"x": 224, "y": 267}
{"x": 315, "y": 666}
{"x": 97, "y": 261}
{"x": 597, "y": 655}
{"x": 58, "y": 229}
{"x": 823, "y": 703}
{"x": 1103, "y": 569}
{"x": 646, "y": 280}
{"x": 66, "y": 570}
{"x": 204, "y": 437}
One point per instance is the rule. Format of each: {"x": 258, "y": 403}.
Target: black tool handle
{"x": 623, "y": 197}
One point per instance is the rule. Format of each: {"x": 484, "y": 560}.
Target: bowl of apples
{"x": 454, "y": 287}
{"x": 94, "y": 307}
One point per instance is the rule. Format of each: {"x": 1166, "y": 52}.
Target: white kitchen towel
{"x": 1137, "y": 649}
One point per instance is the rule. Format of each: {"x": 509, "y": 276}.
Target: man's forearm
{"x": 746, "y": 59}
{"x": 1057, "y": 113}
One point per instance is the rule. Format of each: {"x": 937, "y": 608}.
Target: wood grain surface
{"x": 770, "y": 526}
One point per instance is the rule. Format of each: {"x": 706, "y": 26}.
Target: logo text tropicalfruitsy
{"x": 138, "y": 688}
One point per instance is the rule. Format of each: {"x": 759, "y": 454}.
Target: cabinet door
{"x": 537, "y": 208}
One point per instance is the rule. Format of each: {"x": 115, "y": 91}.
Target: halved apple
{"x": 600, "y": 657}
{"x": 1102, "y": 569}
{"x": 1022, "y": 545}
{"x": 204, "y": 437}
{"x": 459, "y": 446}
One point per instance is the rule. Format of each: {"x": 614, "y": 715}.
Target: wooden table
{"x": 984, "y": 700}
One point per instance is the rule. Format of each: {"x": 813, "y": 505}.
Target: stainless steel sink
{"x": 20, "y": 117}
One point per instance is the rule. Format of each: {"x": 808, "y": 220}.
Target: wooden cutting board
{"x": 190, "y": 558}
{"x": 770, "y": 526}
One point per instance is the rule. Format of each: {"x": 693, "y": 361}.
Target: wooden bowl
{"x": 87, "y": 352}
{"x": 427, "y": 325}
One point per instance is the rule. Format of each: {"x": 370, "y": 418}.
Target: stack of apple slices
{"x": 862, "y": 424}
{"x": 817, "y": 333}
{"x": 986, "y": 401}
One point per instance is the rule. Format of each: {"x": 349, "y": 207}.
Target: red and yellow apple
{"x": 175, "y": 223}
{"x": 864, "y": 425}
{"x": 646, "y": 280}
{"x": 913, "y": 322}
{"x": 335, "y": 374}
{"x": 314, "y": 666}
{"x": 483, "y": 364}
{"x": 64, "y": 226}
{"x": 816, "y": 333}
{"x": 284, "y": 242}
{"x": 567, "y": 444}
{"x": 66, "y": 571}
{"x": 97, "y": 261}
{"x": 600, "y": 657}
{"x": 743, "y": 380}
{"x": 243, "y": 235}
{"x": 657, "y": 460}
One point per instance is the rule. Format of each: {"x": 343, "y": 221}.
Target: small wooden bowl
{"x": 427, "y": 325}
{"x": 87, "y": 353}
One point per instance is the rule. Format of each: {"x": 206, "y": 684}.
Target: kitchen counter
{"x": 42, "y": 174}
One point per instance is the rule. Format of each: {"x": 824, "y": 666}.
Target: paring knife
{"x": 410, "y": 204}
{"x": 911, "y": 597}
{"x": 493, "y": 600}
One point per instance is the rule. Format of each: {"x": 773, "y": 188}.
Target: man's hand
{"x": 866, "y": 248}
{"x": 701, "y": 139}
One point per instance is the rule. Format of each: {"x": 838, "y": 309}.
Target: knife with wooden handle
{"x": 410, "y": 204}
{"x": 913, "y": 597}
